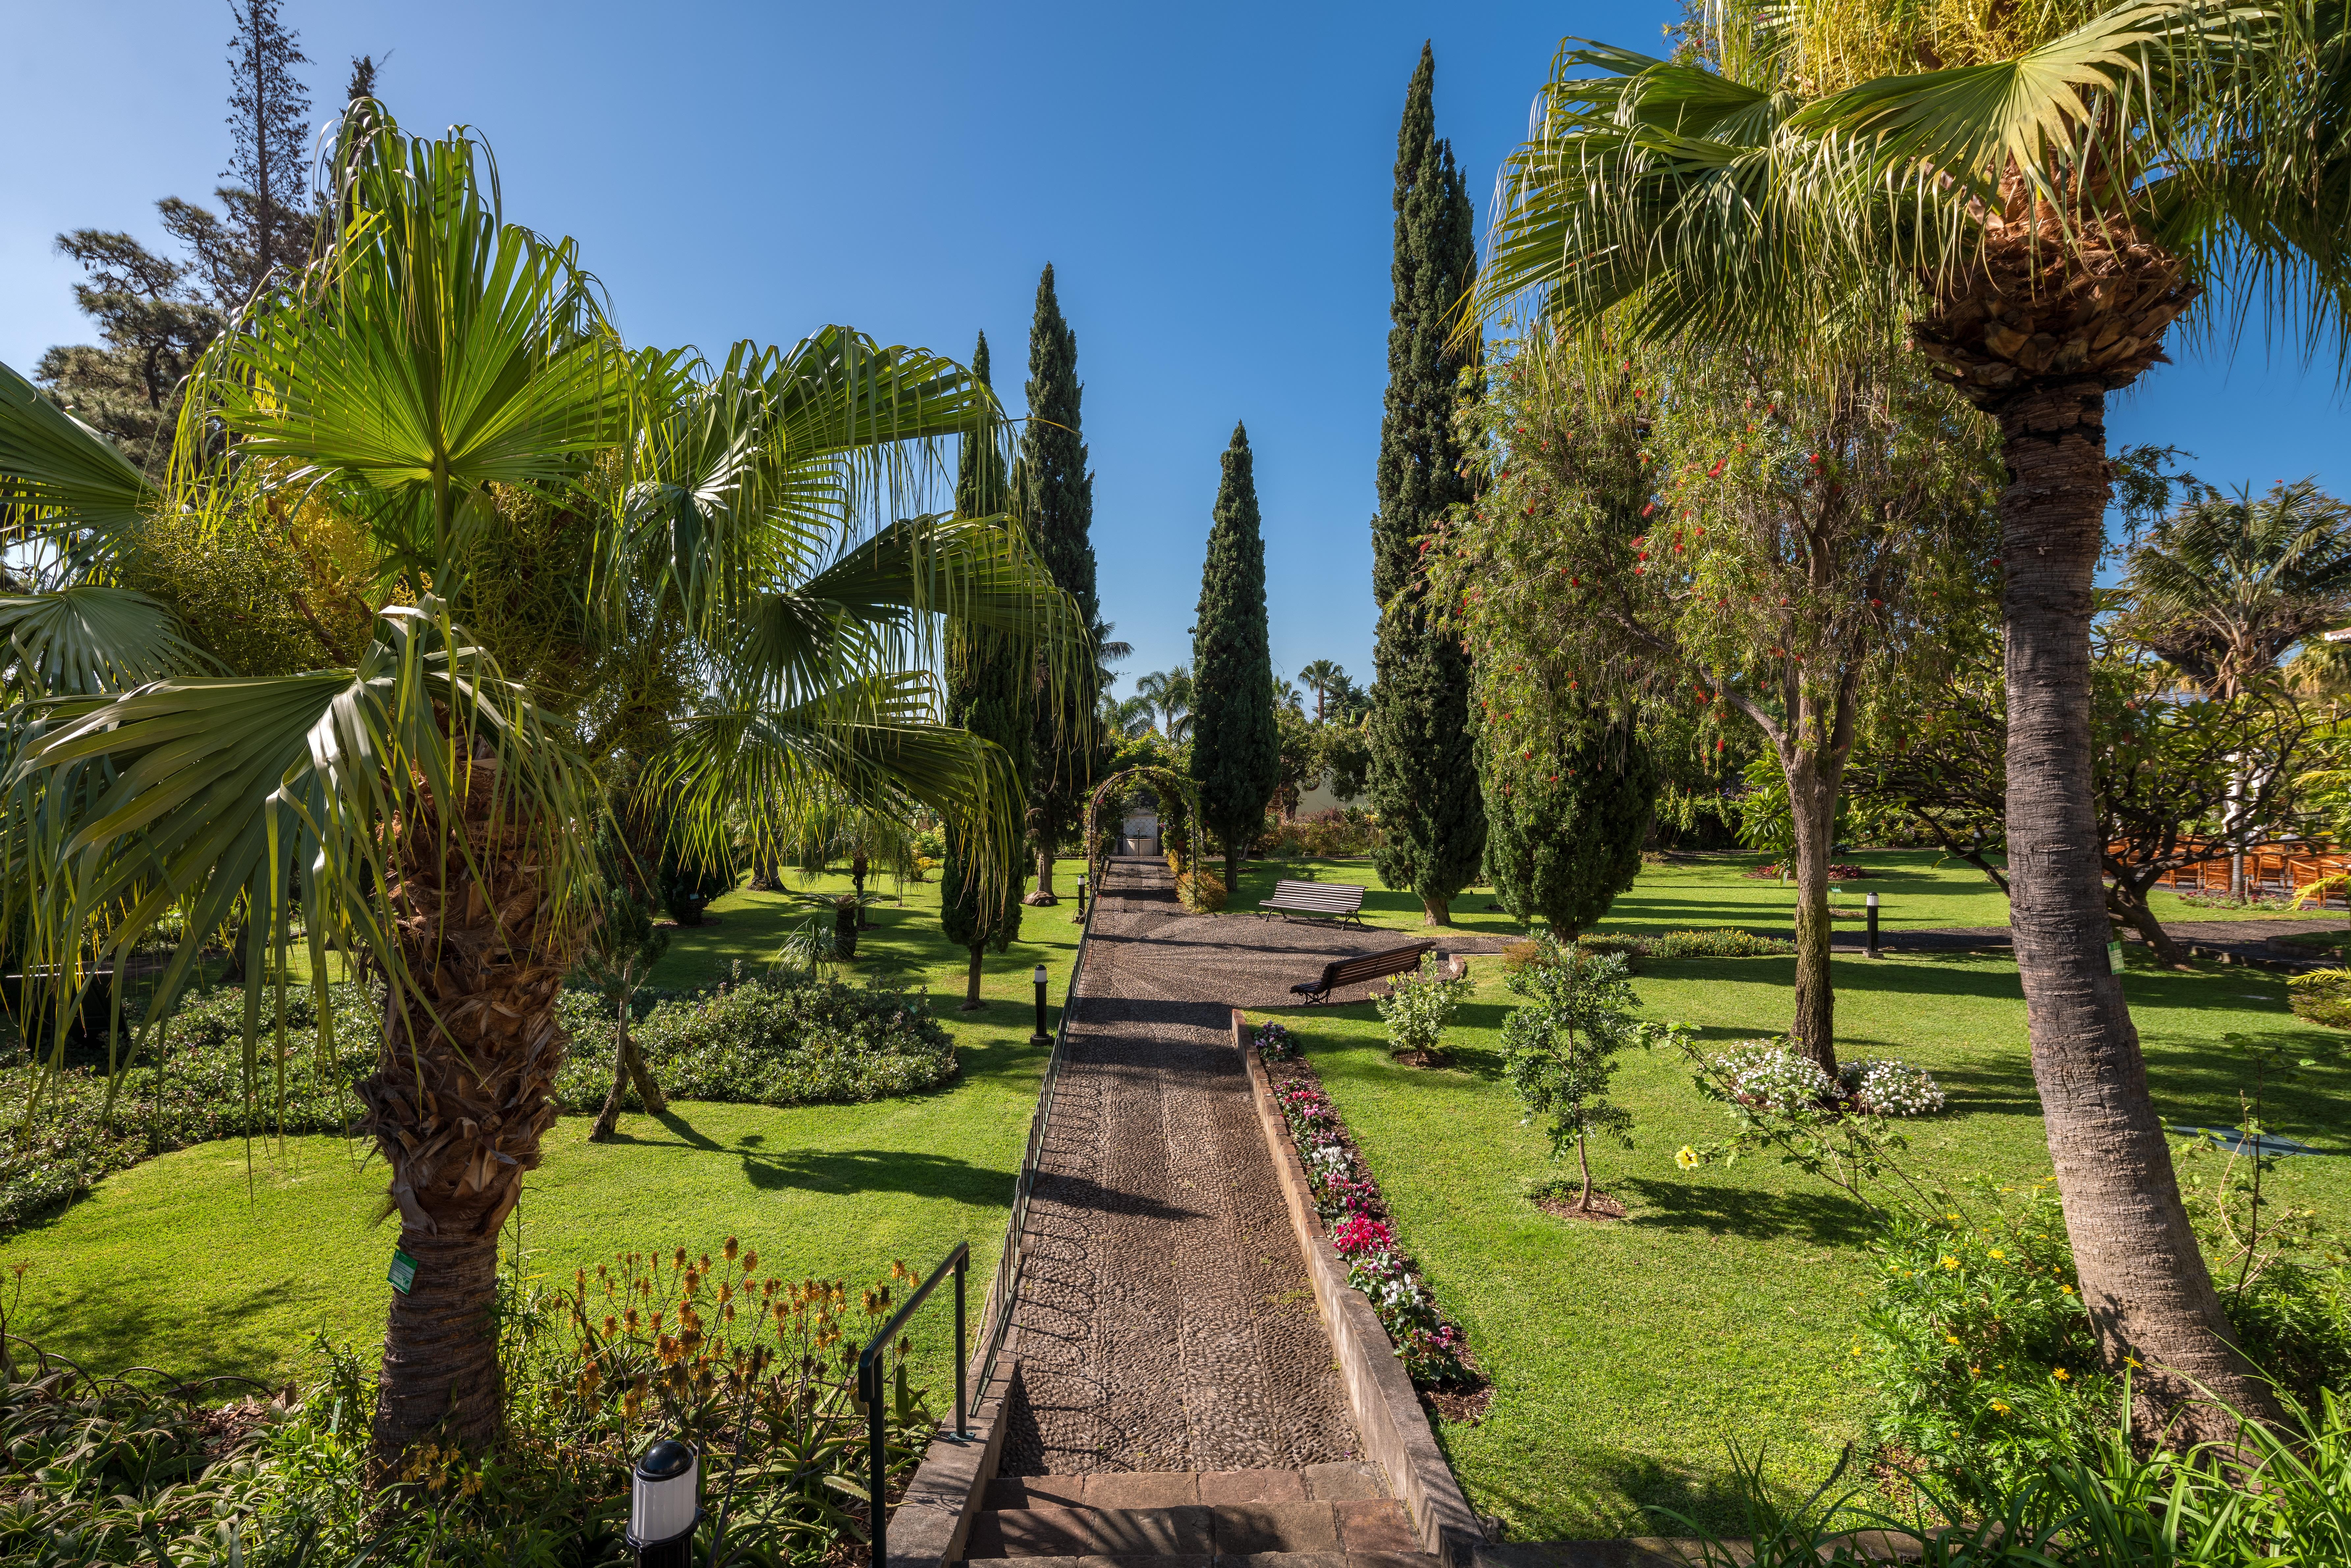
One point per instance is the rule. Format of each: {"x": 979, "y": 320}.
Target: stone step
{"x": 1362, "y": 1526}
{"x": 1348, "y": 1481}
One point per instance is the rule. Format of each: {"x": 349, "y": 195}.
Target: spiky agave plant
{"x": 432, "y": 376}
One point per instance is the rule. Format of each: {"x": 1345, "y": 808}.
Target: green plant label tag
{"x": 2113, "y": 957}
{"x": 403, "y": 1272}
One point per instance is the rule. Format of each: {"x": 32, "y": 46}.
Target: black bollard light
{"x": 664, "y": 1506}
{"x": 1872, "y": 928}
{"x": 1040, "y": 1037}
{"x": 1082, "y": 895}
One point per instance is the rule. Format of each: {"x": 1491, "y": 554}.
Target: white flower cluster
{"x": 1766, "y": 1074}
{"x": 1890, "y": 1088}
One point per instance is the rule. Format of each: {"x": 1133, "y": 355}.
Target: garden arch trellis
{"x": 1173, "y": 788}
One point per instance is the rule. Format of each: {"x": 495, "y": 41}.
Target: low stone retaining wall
{"x": 1388, "y": 1414}
{"x": 932, "y": 1520}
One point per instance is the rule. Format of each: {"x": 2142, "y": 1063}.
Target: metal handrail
{"x": 869, "y": 1388}
{"x": 1004, "y": 1289}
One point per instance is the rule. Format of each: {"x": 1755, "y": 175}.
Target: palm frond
{"x": 62, "y": 482}
{"x": 88, "y": 638}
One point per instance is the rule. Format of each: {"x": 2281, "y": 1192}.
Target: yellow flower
{"x": 1999, "y": 1406}
{"x": 2067, "y": 1288}
{"x": 1950, "y": 1262}
{"x": 1950, "y": 1339}
{"x": 1997, "y": 1253}
{"x": 2060, "y": 1374}
{"x": 1975, "y": 1372}
{"x": 2132, "y": 1362}
{"x": 1686, "y": 1157}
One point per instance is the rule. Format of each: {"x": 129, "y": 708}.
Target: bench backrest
{"x": 1372, "y": 966}
{"x": 1345, "y": 897}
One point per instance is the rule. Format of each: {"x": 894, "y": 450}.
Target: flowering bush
{"x": 1418, "y": 1006}
{"x": 1762, "y": 1073}
{"x": 1432, "y": 1349}
{"x": 1977, "y": 1338}
{"x": 1275, "y": 1042}
{"x": 1884, "y": 1087}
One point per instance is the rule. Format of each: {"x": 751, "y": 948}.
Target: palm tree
{"x": 2226, "y": 585}
{"x": 2042, "y": 191}
{"x": 1170, "y": 692}
{"x": 1321, "y": 676}
{"x": 442, "y": 382}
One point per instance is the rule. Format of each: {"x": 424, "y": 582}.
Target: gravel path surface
{"x": 1166, "y": 1321}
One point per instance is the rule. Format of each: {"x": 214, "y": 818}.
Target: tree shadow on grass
{"x": 1822, "y": 1219}
{"x": 838, "y": 1171}
{"x": 106, "y": 1331}
{"x": 1637, "y": 1492}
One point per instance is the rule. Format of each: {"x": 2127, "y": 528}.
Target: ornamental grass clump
{"x": 1420, "y": 1005}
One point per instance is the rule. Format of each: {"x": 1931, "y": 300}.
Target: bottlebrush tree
{"x": 1752, "y": 540}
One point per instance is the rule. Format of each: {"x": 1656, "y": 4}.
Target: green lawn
{"x": 1628, "y": 1358}
{"x": 221, "y": 1258}
{"x": 1916, "y": 890}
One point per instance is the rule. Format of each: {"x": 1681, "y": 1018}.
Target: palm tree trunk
{"x": 458, "y": 1104}
{"x": 2143, "y": 1278}
{"x": 1811, "y": 804}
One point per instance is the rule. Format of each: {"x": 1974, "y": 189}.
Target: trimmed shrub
{"x": 809, "y": 1041}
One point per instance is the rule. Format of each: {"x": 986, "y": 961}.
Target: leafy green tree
{"x": 1056, "y": 503}
{"x": 1565, "y": 821}
{"x": 1559, "y": 1046}
{"x": 446, "y": 381}
{"x": 1236, "y": 746}
{"x": 989, "y": 697}
{"x": 1302, "y": 759}
{"x": 1423, "y": 776}
{"x": 2041, "y": 197}
{"x": 1751, "y": 539}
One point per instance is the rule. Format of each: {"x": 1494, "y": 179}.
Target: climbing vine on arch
{"x": 1180, "y": 809}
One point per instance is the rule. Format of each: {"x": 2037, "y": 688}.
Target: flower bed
{"x": 1837, "y": 873}
{"x": 1431, "y": 1346}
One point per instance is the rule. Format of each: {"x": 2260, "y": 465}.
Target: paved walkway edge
{"x": 1388, "y": 1414}
{"x": 932, "y": 1520}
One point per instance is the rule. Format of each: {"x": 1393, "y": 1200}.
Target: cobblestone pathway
{"x": 1166, "y": 1321}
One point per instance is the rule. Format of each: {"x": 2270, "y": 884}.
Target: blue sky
{"x": 1211, "y": 184}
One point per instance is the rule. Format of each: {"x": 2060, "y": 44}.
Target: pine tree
{"x": 987, "y": 695}
{"x": 1565, "y": 826}
{"x": 1056, "y": 502}
{"x": 268, "y": 110}
{"x": 1424, "y": 761}
{"x": 1236, "y": 747}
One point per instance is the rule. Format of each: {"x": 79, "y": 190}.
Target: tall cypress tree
{"x": 1236, "y": 746}
{"x": 988, "y": 695}
{"x": 1056, "y": 495}
{"x": 1565, "y": 821}
{"x": 1423, "y": 758}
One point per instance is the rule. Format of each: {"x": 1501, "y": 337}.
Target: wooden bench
{"x": 1340, "y": 901}
{"x": 1342, "y": 972}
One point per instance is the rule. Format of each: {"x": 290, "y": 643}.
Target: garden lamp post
{"x": 1872, "y": 902}
{"x": 1040, "y": 1037}
{"x": 663, "y": 1506}
{"x": 1082, "y": 894}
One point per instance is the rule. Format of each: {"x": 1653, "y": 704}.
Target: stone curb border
{"x": 1388, "y": 1414}
{"x": 932, "y": 1521}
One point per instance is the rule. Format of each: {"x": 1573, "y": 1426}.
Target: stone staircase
{"x": 1324, "y": 1515}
